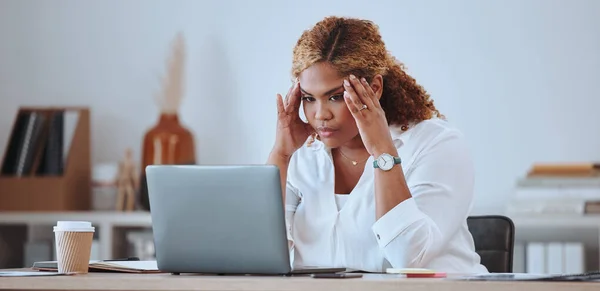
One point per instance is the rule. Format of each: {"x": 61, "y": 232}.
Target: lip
{"x": 326, "y": 131}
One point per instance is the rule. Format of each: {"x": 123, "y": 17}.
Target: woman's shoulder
{"x": 428, "y": 129}
{"x": 308, "y": 155}
{"x": 429, "y": 134}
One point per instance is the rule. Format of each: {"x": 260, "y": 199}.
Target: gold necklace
{"x": 354, "y": 163}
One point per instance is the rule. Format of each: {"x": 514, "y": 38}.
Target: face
{"x": 324, "y": 106}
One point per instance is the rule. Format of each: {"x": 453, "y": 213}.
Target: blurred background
{"x": 519, "y": 78}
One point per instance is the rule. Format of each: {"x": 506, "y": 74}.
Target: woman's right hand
{"x": 292, "y": 132}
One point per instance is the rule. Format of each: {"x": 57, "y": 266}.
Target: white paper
{"x": 28, "y": 274}
{"x": 130, "y": 265}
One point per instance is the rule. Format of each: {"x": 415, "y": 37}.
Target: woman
{"x": 376, "y": 178}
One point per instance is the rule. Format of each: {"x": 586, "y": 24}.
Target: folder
{"x": 580, "y": 277}
{"x": 122, "y": 266}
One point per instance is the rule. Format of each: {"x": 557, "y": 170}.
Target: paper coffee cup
{"x": 73, "y": 245}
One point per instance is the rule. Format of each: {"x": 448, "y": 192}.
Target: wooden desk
{"x": 379, "y": 282}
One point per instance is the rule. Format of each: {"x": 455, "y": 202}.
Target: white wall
{"x": 520, "y": 78}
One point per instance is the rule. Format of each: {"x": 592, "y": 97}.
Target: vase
{"x": 167, "y": 143}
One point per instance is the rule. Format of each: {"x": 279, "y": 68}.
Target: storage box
{"x": 35, "y": 175}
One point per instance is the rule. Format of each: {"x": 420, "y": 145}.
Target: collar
{"x": 399, "y": 136}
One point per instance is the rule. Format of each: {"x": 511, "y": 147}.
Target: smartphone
{"x": 336, "y": 275}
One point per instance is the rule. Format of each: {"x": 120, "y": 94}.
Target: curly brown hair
{"x": 355, "y": 46}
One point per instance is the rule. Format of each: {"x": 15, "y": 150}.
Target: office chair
{"x": 494, "y": 241}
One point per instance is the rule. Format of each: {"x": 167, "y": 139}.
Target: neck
{"x": 354, "y": 149}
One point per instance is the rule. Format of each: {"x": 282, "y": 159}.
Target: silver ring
{"x": 363, "y": 107}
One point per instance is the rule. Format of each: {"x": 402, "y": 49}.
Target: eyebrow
{"x": 326, "y": 93}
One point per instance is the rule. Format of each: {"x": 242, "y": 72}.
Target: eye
{"x": 307, "y": 99}
{"x": 337, "y": 97}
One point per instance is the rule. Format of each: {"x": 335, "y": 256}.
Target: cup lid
{"x": 74, "y": 226}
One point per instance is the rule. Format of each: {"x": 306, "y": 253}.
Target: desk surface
{"x": 380, "y": 282}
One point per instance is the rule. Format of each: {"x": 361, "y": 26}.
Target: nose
{"x": 323, "y": 112}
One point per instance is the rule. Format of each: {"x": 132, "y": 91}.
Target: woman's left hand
{"x": 370, "y": 117}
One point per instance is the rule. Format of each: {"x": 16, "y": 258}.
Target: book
{"x": 25, "y": 144}
{"x": 31, "y": 144}
{"x": 39, "y": 143}
{"x": 591, "y": 169}
{"x": 51, "y": 162}
{"x": 9, "y": 165}
{"x": 122, "y": 266}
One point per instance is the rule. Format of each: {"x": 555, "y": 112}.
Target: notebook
{"x": 106, "y": 266}
{"x": 588, "y": 276}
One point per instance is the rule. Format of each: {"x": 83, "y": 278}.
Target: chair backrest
{"x": 494, "y": 241}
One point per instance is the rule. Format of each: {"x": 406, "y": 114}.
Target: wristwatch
{"x": 386, "y": 162}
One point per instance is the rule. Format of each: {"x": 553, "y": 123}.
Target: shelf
{"x": 111, "y": 224}
{"x": 107, "y": 224}
{"x": 113, "y": 218}
{"x": 557, "y": 221}
{"x": 547, "y": 228}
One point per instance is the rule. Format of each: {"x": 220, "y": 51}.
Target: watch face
{"x": 385, "y": 162}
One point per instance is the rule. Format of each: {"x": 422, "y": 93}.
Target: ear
{"x": 377, "y": 86}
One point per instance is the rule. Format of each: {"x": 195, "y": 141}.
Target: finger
{"x": 280, "y": 107}
{"x": 370, "y": 94}
{"x": 287, "y": 96}
{"x": 295, "y": 98}
{"x": 351, "y": 93}
{"x": 352, "y": 106}
{"x": 359, "y": 88}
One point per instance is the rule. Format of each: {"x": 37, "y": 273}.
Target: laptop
{"x": 220, "y": 219}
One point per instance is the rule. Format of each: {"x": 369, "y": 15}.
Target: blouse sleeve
{"x": 292, "y": 199}
{"x": 441, "y": 184}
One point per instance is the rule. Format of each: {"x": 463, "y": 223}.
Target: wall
{"x": 519, "y": 78}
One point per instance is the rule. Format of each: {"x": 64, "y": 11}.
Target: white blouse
{"x": 428, "y": 230}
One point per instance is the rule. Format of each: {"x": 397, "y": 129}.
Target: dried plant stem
{"x": 172, "y": 92}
